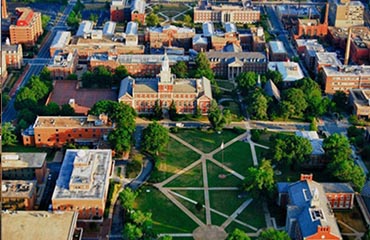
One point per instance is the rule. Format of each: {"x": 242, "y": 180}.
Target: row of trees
{"x": 341, "y": 165}
{"x": 303, "y": 100}
{"x": 267, "y": 234}
{"x": 102, "y": 77}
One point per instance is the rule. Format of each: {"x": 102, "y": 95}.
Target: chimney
{"x": 326, "y": 13}
{"x": 348, "y": 45}
{"x": 308, "y": 177}
{"x": 4, "y": 11}
{"x": 323, "y": 229}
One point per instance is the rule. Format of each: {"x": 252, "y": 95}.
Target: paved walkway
{"x": 204, "y": 157}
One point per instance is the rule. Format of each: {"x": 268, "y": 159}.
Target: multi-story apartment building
{"x": 13, "y": 54}
{"x": 82, "y": 184}
{"x": 346, "y": 13}
{"x": 230, "y": 64}
{"x": 24, "y": 166}
{"x": 326, "y": 59}
{"x": 18, "y": 195}
{"x": 57, "y": 131}
{"x": 187, "y": 94}
{"x": 277, "y": 51}
{"x": 205, "y": 12}
{"x": 27, "y": 28}
{"x": 344, "y": 78}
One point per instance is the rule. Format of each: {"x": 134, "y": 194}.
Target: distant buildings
{"x": 18, "y": 195}
{"x": 205, "y": 12}
{"x": 346, "y": 13}
{"x": 27, "y": 28}
{"x": 41, "y": 225}
{"x": 24, "y": 166}
{"x": 121, "y": 10}
{"x": 57, "y": 131}
{"x": 309, "y": 207}
{"x": 277, "y": 51}
{"x": 359, "y": 99}
{"x": 230, "y": 64}
{"x": 187, "y": 94}
{"x": 344, "y": 78}
{"x": 82, "y": 184}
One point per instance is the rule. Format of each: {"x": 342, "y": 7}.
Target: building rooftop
{"x": 216, "y": 56}
{"x": 62, "y": 59}
{"x": 68, "y": 122}
{"x": 360, "y": 32}
{"x": 208, "y": 29}
{"x": 109, "y": 28}
{"x": 315, "y": 141}
{"x": 149, "y": 58}
{"x": 291, "y": 71}
{"x": 85, "y": 27}
{"x": 337, "y": 188}
{"x": 61, "y": 39}
{"x": 277, "y": 47}
{"x": 138, "y": 6}
{"x": 39, "y": 225}
{"x": 305, "y": 42}
{"x": 328, "y": 58}
{"x": 25, "y": 16}
{"x": 199, "y": 39}
{"x": 309, "y": 205}
{"x": 361, "y": 97}
{"x": 18, "y": 188}
{"x": 22, "y": 159}
{"x": 10, "y": 47}
{"x": 132, "y": 28}
{"x": 230, "y": 27}
{"x": 303, "y": 11}
{"x": 83, "y": 174}
{"x": 347, "y": 70}
{"x": 118, "y": 2}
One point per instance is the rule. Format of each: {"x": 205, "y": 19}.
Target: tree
{"x": 119, "y": 74}
{"x": 218, "y": 118}
{"x": 297, "y": 99}
{"x": 72, "y": 76}
{"x": 180, "y": 69}
{"x": 188, "y": 20}
{"x": 67, "y": 110}
{"x": 7, "y": 134}
{"x": 103, "y": 106}
{"x": 290, "y": 149}
{"x": 275, "y": 76}
{"x": 4, "y": 100}
{"x": 155, "y": 138}
{"x": 25, "y": 99}
{"x": 52, "y": 109}
{"x": 238, "y": 234}
{"x": 121, "y": 140}
{"x": 131, "y": 231}
{"x": 166, "y": 237}
{"x": 124, "y": 116}
{"x": 258, "y": 106}
{"x": 152, "y": 20}
{"x": 337, "y": 146}
{"x": 172, "y": 111}
{"x": 158, "y": 113}
{"x": 142, "y": 219}
{"x": 313, "y": 125}
{"x": 247, "y": 81}
{"x": 26, "y": 115}
{"x": 128, "y": 197}
{"x": 260, "y": 179}
{"x": 341, "y": 101}
{"x": 273, "y": 234}
{"x": 94, "y": 17}
{"x": 44, "y": 20}
{"x": 286, "y": 109}
{"x": 204, "y": 67}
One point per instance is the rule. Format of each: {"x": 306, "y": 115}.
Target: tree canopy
{"x": 128, "y": 197}
{"x": 152, "y": 20}
{"x": 8, "y": 137}
{"x": 238, "y": 234}
{"x": 180, "y": 69}
{"x": 260, "y": 179}
{"x": 258, "y": 105}
{"x": 247, "y": 81}
{"x": 218, "y": 118}
{"x": 204, "y": 67}
{"x": 155, "y": 138}
{"x": 273, "y": 234}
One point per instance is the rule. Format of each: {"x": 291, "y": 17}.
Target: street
{"x": 36, "y": 64}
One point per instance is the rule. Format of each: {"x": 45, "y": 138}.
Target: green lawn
{"x": 225, "y": 201}
{"x": 261, "y": 152}
{"x": 253, "y": 215}
{"x": 191, "y": 178}
{"x": 213, "y": 177}
{"x": 265, "y": 137}
{"x": 174, "y": 158}
{"x": 167, "y": 217}
{"x": 198, "y": 196}
{"x": 206, "y": 140}
{"x": 233, "y": 225}
{"x": 178, "y": 7}
{"x": 225, "y": 84}
{"x": 237, "y": 156}
{"x": 216, "y": 219}
{"x": 292, "y": 175}
{"x": 20, "y": 148}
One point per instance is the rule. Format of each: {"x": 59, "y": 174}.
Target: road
{"x": 37, "y": 64}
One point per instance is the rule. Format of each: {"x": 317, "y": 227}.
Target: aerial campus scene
{"x": 185, "y": 119}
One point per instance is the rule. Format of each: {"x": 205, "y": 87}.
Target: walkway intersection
{"x": 207, "y": 226}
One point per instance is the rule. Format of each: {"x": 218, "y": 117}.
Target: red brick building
{"x": 24, "y": 166}
{"x": 57, "y": 131}
{"x": 18, "y": 195}
{"x": 82, "y": 185}
{"x": 187, "y": 94}
{"x": 168, "y": 36}
{"x": 344, "y": 78}
{"x": 28, "y": 27}
{"x": 117, "y": 10}
{"x": 63, "y": 65}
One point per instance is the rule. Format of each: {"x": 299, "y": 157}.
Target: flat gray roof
{"x": 22, "y": 160}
